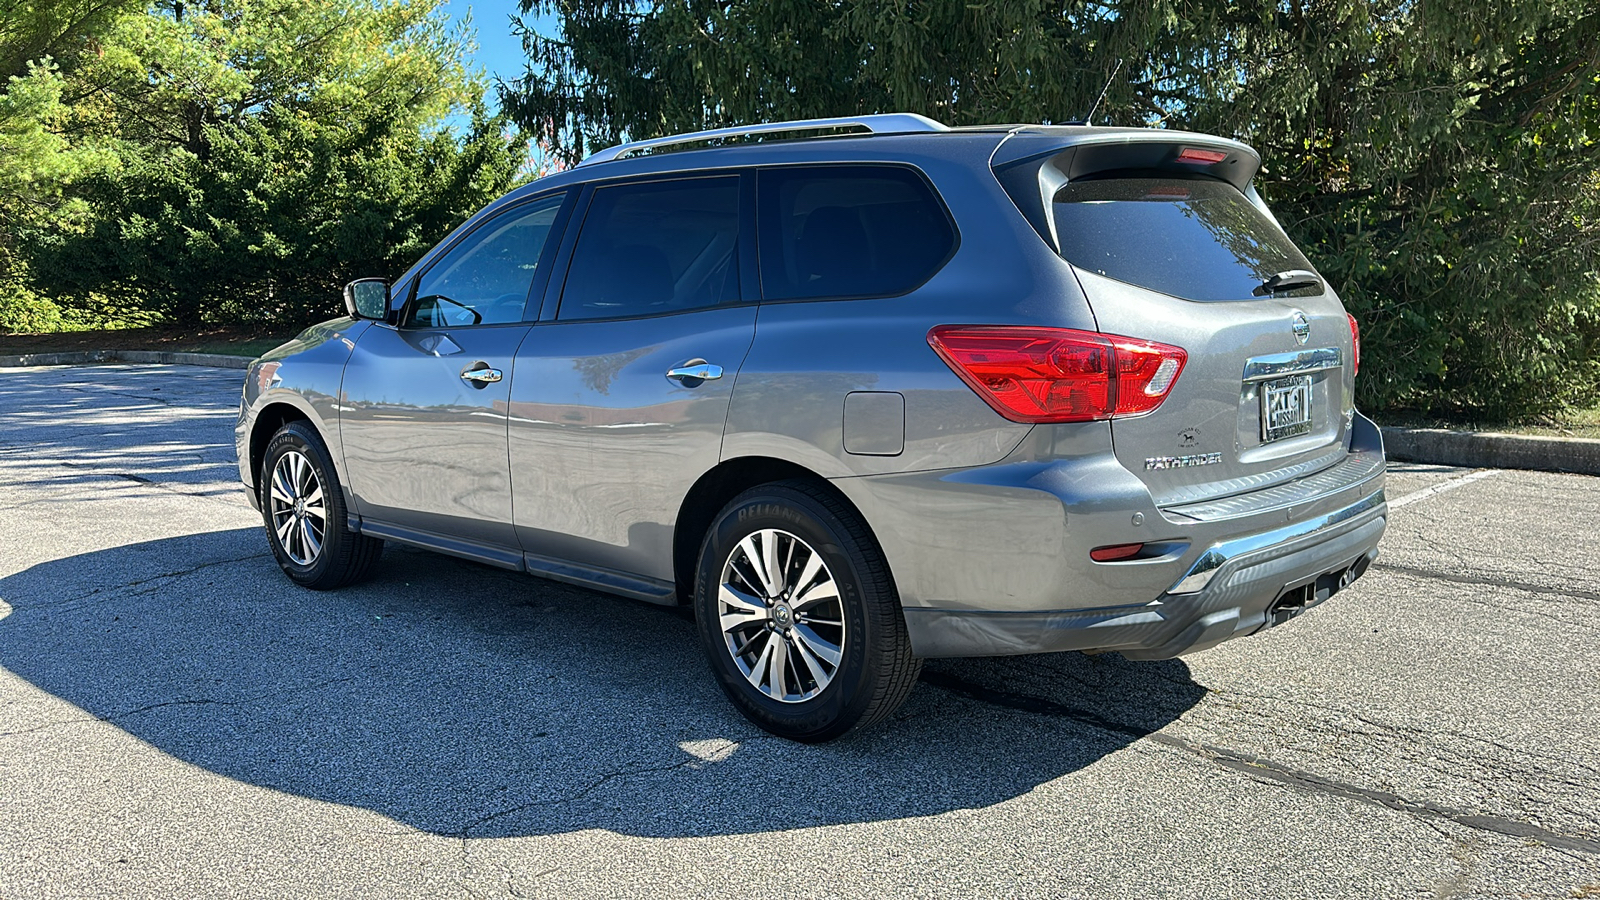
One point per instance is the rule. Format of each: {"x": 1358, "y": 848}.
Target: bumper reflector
{"x": 1115, "y": 552}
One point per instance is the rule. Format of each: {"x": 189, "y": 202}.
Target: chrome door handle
{"x": 481, "y": 377}
{"x": 695, "y": 370}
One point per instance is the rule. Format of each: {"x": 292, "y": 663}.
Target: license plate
{"x": 1285, "y": 408}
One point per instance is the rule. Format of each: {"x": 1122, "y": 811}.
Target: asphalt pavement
{"x": 178, "y": 720}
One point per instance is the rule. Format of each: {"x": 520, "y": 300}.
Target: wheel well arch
{"x": 272, "y": 417}
{"x": 712, "y": 492}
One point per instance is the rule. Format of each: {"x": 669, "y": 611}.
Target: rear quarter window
{"x": 849, "y": 231}
{"x": 1195, "y": 239}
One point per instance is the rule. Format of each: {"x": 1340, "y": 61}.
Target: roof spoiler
{"x": 1033, "y": 166}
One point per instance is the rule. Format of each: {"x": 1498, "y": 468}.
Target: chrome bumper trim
{"x": 1218, "y": 554}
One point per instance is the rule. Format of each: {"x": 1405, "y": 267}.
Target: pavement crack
{"x": 166, "y": 486}
{"x": 1024, "y": 703}
{"x": 1260, "y": 768}
{"x": 113, "y": 718}
{"x": 1382, "y": 728}
{"x": 1263, "y": 769}
{"x": 603, "y": 780}
{"x": 58, "y": 497}
{"x": 65, "y": 601}
{"x": 466, "y": 870}
{"x": 116, "y": 718}
{"x": 102, "y": 389}
{"x": 141, "y": 710}
{"x": 1449, "y": 549}
{"x": 80, "y": 720}
{"x": 1483, "y": 581}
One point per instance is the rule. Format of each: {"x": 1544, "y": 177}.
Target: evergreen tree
{"x": 265, "y": 151}
{"x": 1437, "y": 159}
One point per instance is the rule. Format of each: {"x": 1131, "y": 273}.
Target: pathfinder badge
{"x": 1182, "y": 462}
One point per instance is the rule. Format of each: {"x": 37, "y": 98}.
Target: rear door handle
{"x": 695, "y": 370}
{"x": 481, "y": 377}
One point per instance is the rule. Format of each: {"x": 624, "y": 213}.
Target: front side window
{"x": 655, "y": 248}
{"x": 1199, "y": 240}
{"x": 849, "y": 231}
{"x": 485, "y": 279}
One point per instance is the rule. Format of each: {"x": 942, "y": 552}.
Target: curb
{"x": 163, "y": 357}
{"x": 1490, "y": 450}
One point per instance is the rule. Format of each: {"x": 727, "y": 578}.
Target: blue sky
{"x": 499, "y": 51}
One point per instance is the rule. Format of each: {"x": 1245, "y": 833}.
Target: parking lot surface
{"x": 177, "y": 719}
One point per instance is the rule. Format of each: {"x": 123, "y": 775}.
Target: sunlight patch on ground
{"x": 711, "y": 750}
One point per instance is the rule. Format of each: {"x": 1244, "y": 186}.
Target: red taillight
{"x": 1355, "y": 341}
{"x": 1115, "y": 552}
{"x": 1204, "y": 157}
{"x": 1045, "y": 375}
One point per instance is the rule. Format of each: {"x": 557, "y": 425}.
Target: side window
{"x": 848, "y": 231}
{"x": 661, "y": 247}
{"x": 485, "y": 279}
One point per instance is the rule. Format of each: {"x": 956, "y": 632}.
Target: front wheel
{"x": 303, "y": 508}
{"x": 798, "y": 614}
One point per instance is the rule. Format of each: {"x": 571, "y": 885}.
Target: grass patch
{"x": 1577, "y": 423}
{"x": 1582, "y": 423}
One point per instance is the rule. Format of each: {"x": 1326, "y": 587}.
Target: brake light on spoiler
{"x": 1051, "y": 375}
{"x": 1204, "y": 157}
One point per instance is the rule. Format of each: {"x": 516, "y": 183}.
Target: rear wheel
{"x": 303, "y": 508}
{"x": 798, "y": 614}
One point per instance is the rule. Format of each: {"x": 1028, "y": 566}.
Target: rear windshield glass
{"x": 1200, "y": 240}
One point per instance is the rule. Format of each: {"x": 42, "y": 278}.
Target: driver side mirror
{"x": 367, "y": 298}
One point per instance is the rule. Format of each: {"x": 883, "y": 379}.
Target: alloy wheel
{"x": 781, "y": 616}
{"x": 299, "y": 514}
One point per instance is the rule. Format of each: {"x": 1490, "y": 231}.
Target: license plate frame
{"x": 1285, "y": 408}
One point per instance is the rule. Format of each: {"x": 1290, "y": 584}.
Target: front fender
{"x": 300, "y": 380}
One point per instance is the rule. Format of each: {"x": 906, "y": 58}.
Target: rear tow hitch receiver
{"x": 1296, "y": 599}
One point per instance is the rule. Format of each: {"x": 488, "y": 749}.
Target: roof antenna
{"x": 1089, "y": 119}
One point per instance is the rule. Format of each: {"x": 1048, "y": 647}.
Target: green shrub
{"x": 24, "y": 312}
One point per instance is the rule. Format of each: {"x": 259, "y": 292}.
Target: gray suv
{"x": 861, "y": 392}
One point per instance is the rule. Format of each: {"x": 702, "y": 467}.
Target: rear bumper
{"x": 1250, "y": 582}
{"x": 995, "y": 560}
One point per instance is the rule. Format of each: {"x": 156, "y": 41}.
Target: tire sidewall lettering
{"x": 774, "y": 511}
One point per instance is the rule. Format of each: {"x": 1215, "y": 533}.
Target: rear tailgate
{"x": 1169, "y": 247}
{"x": 1215, "y": 434}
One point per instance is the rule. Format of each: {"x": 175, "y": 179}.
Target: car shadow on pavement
{"x": 463, "y": 700}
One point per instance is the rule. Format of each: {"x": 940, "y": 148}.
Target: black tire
{"x": 344, "y": 556}
{"x": 876, "y": 670}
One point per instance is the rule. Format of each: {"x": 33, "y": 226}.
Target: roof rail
{"x": 885, "y": 123}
